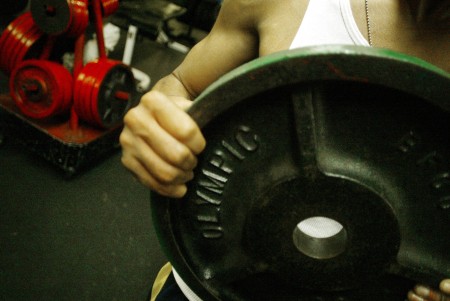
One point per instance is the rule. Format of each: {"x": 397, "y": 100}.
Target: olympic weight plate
{"x": 351, "y": 136}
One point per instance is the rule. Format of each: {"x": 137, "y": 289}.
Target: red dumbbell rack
{"x": 64, "y": 139}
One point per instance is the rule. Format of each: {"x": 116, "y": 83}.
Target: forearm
{"x": 227, "y": 46}
{"x": 171, "y": 85}
{"x": 174, "y": 89}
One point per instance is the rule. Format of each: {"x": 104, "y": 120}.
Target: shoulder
{"x": 244, "y": 10}
{"x": 255, "y": 12}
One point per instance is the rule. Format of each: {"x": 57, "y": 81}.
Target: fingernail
{"x": 422, "y": 290}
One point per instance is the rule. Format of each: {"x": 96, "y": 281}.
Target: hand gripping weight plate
{"x": 353, "y": 135}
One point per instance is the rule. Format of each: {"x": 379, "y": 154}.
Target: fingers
{"x": 149, "y": 159}
{"x": 424, "y": 293}
{"x": 156, "y": 108}
{"x": 160, "y": 142}
{"x": 146, "y": 178}
{"x": 176, "y": 122}
{"x": 144, "y": 125}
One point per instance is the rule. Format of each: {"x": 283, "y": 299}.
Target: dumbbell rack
{"x": 66, "y": 122}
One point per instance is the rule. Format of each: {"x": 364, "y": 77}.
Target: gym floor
{"x": 85, "y": 238}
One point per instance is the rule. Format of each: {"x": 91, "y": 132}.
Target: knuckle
{"x": 149, "y": 99}
{"x": 130, "y": 117}
{"x": 124, "y": 139}
{"x": 180, "y": 156}
{"x": 127, "y": 142}
{"x": 168, "y": 177}
{"x": 188, "y": 132}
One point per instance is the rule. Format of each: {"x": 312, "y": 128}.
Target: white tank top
{"x": 325, "y": 22}
{"x": 328, "y": 22}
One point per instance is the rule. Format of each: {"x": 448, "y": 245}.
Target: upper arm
{"x": 232, "y": 41}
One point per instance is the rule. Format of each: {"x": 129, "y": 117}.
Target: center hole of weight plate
{"x": 320, "y": 237}
{"x": 50, "y": 10}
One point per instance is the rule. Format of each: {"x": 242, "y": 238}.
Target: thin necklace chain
{"x": 369, "y": 32}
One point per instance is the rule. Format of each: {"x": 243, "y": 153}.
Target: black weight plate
{"x": 109, "y": 109}
{"x": 316, "y": 132}
{"x": 52, "y": 16}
